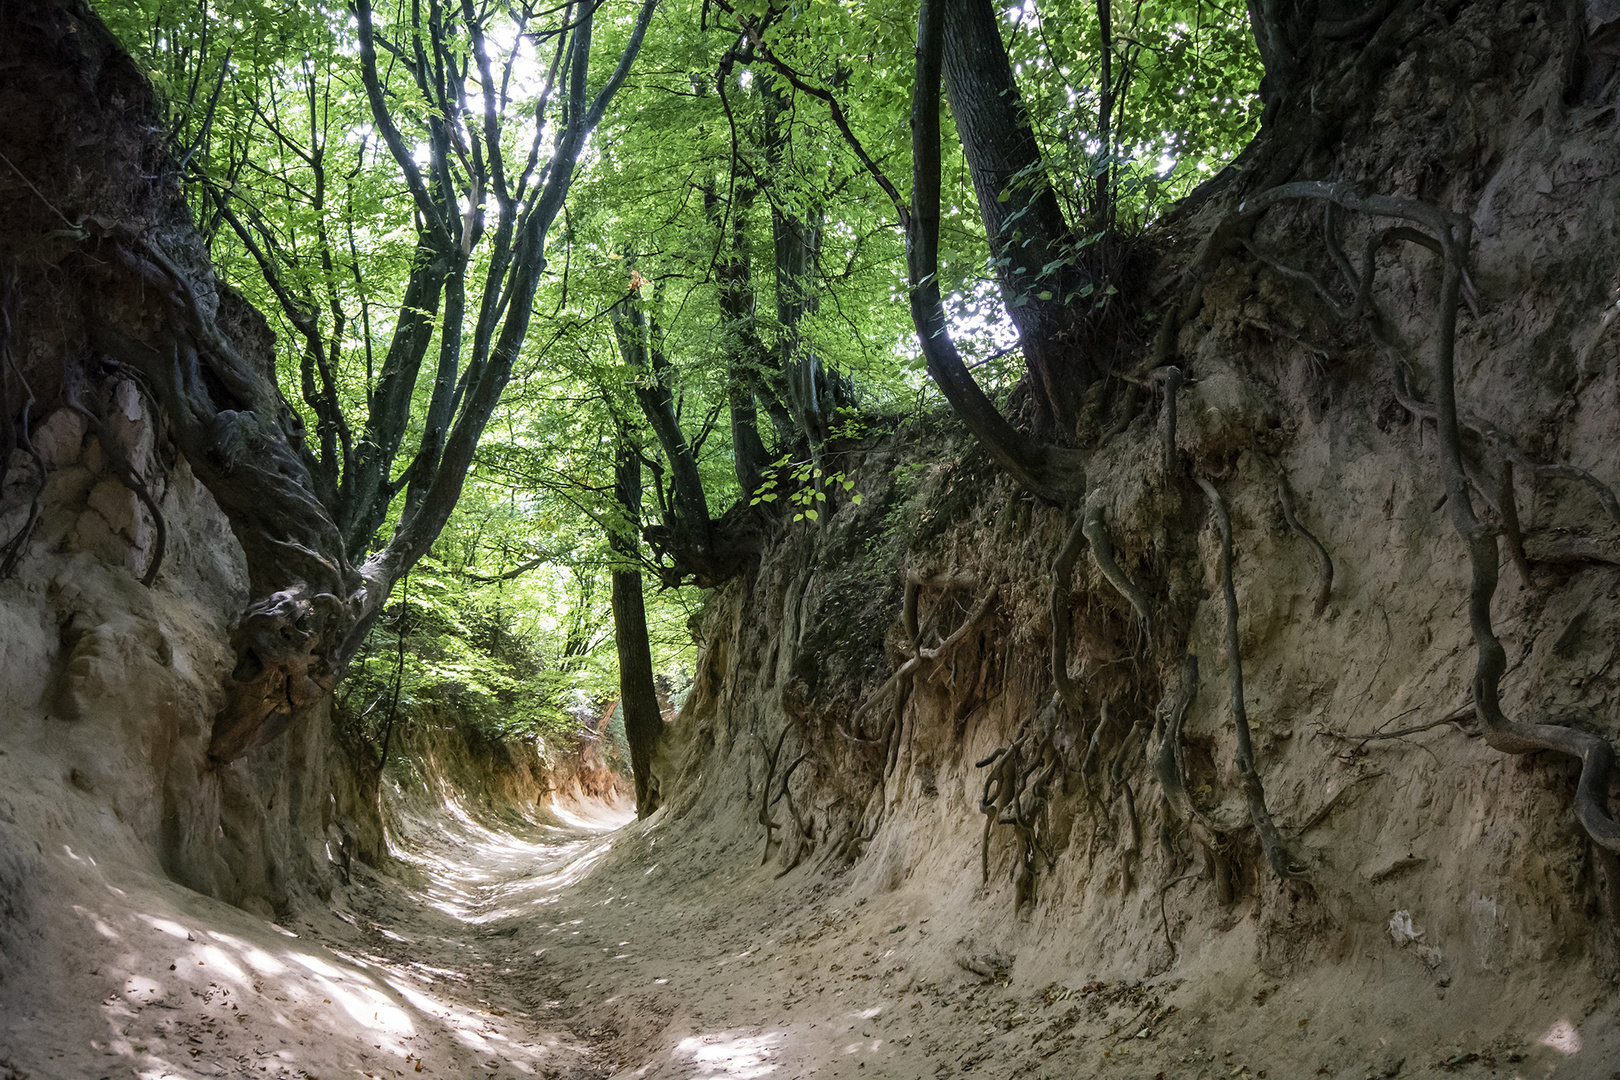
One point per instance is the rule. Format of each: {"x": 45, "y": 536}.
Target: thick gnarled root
{"x": 1282, "y": 861}
{"x": 1102, "y": 549}
{"x": 1449, "y": 234}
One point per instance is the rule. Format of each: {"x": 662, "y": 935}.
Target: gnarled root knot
{"x": 280, "y": 672}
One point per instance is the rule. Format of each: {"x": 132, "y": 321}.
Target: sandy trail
{"x": 502, "y": 950}
{"x": 401, "y": 975}
{"x": 577, "y": 949}
{"x": 686, "y": 959}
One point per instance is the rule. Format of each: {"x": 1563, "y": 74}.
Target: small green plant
{"x": 807, "y": 483}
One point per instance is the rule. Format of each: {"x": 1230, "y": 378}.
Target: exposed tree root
{"x": 1508, "y": 736}
{"x": 1172, "y": 385}
{"x": 1102, "y": 549}
{"x": 920, "y": 654}
{"x": 1452, "y": 233}
{"x": 1164, "y": 917}
{"x": 1167, "y": 760}
{"x": 1271, "y": 841}
{"x": 1016, "y": 793}
{"x": 1501, "y": 445}
{"x": 1133, "y": 841}
{"x": 1068, "y": 689}
{"x": 997, "y": 793}
{"x": 1324, "y": 561}
{"x": 16, "y": 437}
{"x": 765, "y": 819}
{"x": 1508, "y": 506}
{"x": 1091, "y": 751}
{"x": 1167, "y": 765}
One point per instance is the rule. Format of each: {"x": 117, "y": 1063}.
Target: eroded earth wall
{"x": 1443, "y": 887}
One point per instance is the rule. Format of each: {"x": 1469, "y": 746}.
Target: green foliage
{"x": 267, "y": 107}
{"x": 805, "y": 483}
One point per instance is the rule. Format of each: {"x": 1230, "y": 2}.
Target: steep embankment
{"x": 1448, "y": 910}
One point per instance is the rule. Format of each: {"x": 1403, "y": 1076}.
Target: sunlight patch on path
{"x": 718, "y": 1055}
{"x": 473, "y": 869}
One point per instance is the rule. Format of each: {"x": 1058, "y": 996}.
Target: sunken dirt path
{"x": 574, "y": 950}
{"x": 491, "y": 950}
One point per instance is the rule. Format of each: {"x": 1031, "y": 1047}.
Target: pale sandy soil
{"x": 571, "y": 950}
{"x": 138, "y": 977}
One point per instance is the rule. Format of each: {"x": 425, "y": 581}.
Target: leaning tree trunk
{"x": 638, "y": 693}
{"x": 1037, "y": 269}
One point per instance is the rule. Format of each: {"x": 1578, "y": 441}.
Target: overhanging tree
{"x": 481, "y": 215}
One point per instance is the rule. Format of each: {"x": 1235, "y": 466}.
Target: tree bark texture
{"x": 638, "y": 693}
{"x": 746, "y": 355}
{"x": 1026, "y": 460}
{"x": 1030, "y": 243}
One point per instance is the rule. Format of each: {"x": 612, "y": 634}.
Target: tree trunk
{"x": 745, "y": 353}
{"x": 796, "y": 243}
{"x": 1029, "y": 240}
{"x": 1035, "y": 466}
{"x": 638, "y": 693}
{"x": 638, "y": 339}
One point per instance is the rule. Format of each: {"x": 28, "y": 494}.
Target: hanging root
{"x": 1091, "y": 750}
{"x": 1451, "y": 233}
{"x": 1062, "y": 570}
{"x": 1167, "y": 761}
{"x": 1133, "y": 843}
{"x": 1324, "y": 561}
{"x": 1271, "y": 841}
{"x": 904, "y": 670}
{"x": 16, "y": 438}
{"x": 1102, "y": 549}
{"x": 765, "y": 792}
{"x": 1508, "y": 736}
{"x": 1508, "y": 506}
{"x": 1172, "y": 781}
{"x": 804, "y": 827}
{"x": 1501, "y": 499}
{"x": 998, "y": 792}
{"x": 1172, "y": 384}
{"x": 1016, "y": 793}
{"x": 979, "y": 611}
{"x": 766, "y": 801}
{"x": 920, "y": 654}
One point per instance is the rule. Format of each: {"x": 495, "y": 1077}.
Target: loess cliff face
{"x": 124, "y": 578}
{"x": 1446, "y": 896}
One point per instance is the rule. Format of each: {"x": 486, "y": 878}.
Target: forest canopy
{"x": 568, "y": 298}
